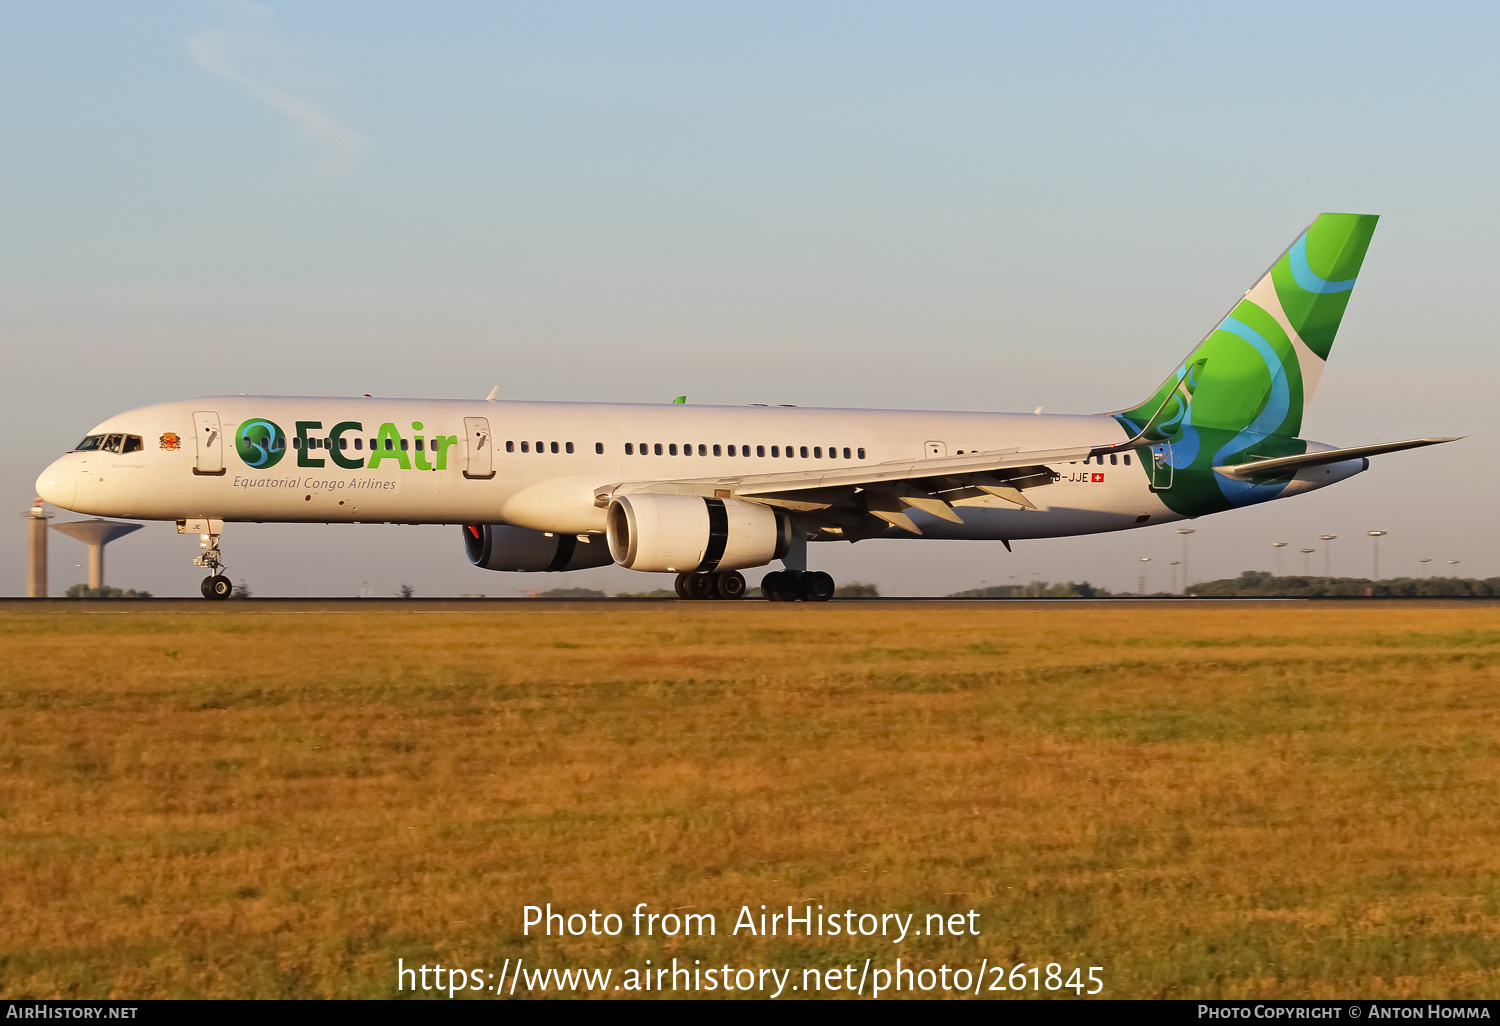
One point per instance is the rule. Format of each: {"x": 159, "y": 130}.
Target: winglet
{"x": 680, "y": 400}
{"x": 494, "y": 392}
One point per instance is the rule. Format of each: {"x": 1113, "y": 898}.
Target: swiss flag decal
{"x": 1098, "y": 478}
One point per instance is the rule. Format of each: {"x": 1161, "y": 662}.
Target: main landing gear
{"x": 797, "y": 585}
{"x": 727, "y": 585}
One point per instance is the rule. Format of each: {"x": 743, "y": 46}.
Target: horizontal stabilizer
{"x": 1285, "y": 466}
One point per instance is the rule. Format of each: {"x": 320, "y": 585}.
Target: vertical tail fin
{"x": 1256, "y": 371}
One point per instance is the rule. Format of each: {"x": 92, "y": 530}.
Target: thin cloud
{"x": 210, "y": 51}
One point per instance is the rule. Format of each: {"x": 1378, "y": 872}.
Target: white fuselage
{"x": 189, "y": 464}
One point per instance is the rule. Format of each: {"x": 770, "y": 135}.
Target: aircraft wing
{"x": 1285, "y": 466}
{"x": 886, "y": 490}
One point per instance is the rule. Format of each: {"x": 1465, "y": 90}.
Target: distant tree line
{"x": 1261, "y": 584}
{"x": 106, "y": 592}
{"x": 1038, "y": 589}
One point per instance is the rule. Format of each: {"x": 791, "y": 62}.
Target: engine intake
{"x": 502, "y": 547}
{"x": 687, "y": 533}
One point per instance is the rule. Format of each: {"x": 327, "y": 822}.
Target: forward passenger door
{"x": 210, "y": 444}
{"x": 479, "y": 449}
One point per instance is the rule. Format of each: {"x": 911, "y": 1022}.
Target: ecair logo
{"x": 260, "y": 443}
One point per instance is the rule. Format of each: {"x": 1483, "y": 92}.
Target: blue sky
{"x": 950, "y": 206}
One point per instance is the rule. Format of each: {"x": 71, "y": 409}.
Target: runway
{"x": 478, "y": 605}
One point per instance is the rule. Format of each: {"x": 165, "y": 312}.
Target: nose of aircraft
{"x": 59, "y": 483}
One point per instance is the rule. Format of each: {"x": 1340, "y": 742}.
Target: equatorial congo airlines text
{"x": 812, "y": 923}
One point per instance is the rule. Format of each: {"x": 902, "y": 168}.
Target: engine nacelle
{"x": 502, "y": 547}
{"x": 687, "y": 533}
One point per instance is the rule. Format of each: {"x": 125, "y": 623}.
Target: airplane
{"x": 704, "y": 492}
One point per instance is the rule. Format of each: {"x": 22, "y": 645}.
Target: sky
{"x": 971, "y": 206}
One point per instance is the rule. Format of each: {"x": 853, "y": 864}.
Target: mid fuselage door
{"x": 479, "y": 449}
{"x": 210, "y": 444}
{"x": 1161, "y": 467}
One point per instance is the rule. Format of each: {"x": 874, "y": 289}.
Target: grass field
{"x": 1288, "y": 801}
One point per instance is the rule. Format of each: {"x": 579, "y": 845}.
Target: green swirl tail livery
{"x": 1240, "y": 395}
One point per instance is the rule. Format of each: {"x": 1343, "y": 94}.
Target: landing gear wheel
{"x": 782, "y": 586}
{"x": 817, "y": 586}
{"x": 697, "y": 586}
{"x": 217, "y": 587}
{"x": 729, "y": 585}
{"x": 680, "y": 585}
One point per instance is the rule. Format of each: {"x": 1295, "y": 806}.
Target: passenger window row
{"x": 791, "y": 451}
{"x": 391, "y": 444}
{"x": 1114, "y": 460}
{"x": 566, "y": 447}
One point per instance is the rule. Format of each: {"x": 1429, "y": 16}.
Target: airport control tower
{"x": 96, "y": 534}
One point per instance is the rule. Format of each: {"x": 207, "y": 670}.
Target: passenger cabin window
{"x": 403, "y": 445}
{"x": 629, "y": 449}
{"x": 568, "y": 447}
{"x": 846, "y": 452}
{"x": 760, "y": 450}
{"x": 775, "y": 451}
{"x": 525, "y": 446}
{"x": 716, "y": 450}
{"x": 672, "y": 449}
{"x": 803, "y": 452}
{"x": 658, "y": 448}
{"x": 359, "y": 443}
{"x": 1127, "y": 459}
{"x": 861, "y": 453}
{"x": 510, "y": 446}
{"x": 1114, "y": 460}
{"x": 554, "y": 447}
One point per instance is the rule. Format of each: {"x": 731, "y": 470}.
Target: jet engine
{"x": 688, "y": 533}
{"x": 502, "y": 547}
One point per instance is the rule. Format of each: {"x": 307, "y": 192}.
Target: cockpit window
{"x": 112, "y": 443}
{"x": 89, "y": 444}
{"x": 133, "y": 443}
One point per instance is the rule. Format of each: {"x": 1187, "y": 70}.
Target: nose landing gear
{"x": 216, "y": 585}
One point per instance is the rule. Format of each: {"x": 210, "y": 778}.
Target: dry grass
{"x": 1226, "y": 802}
